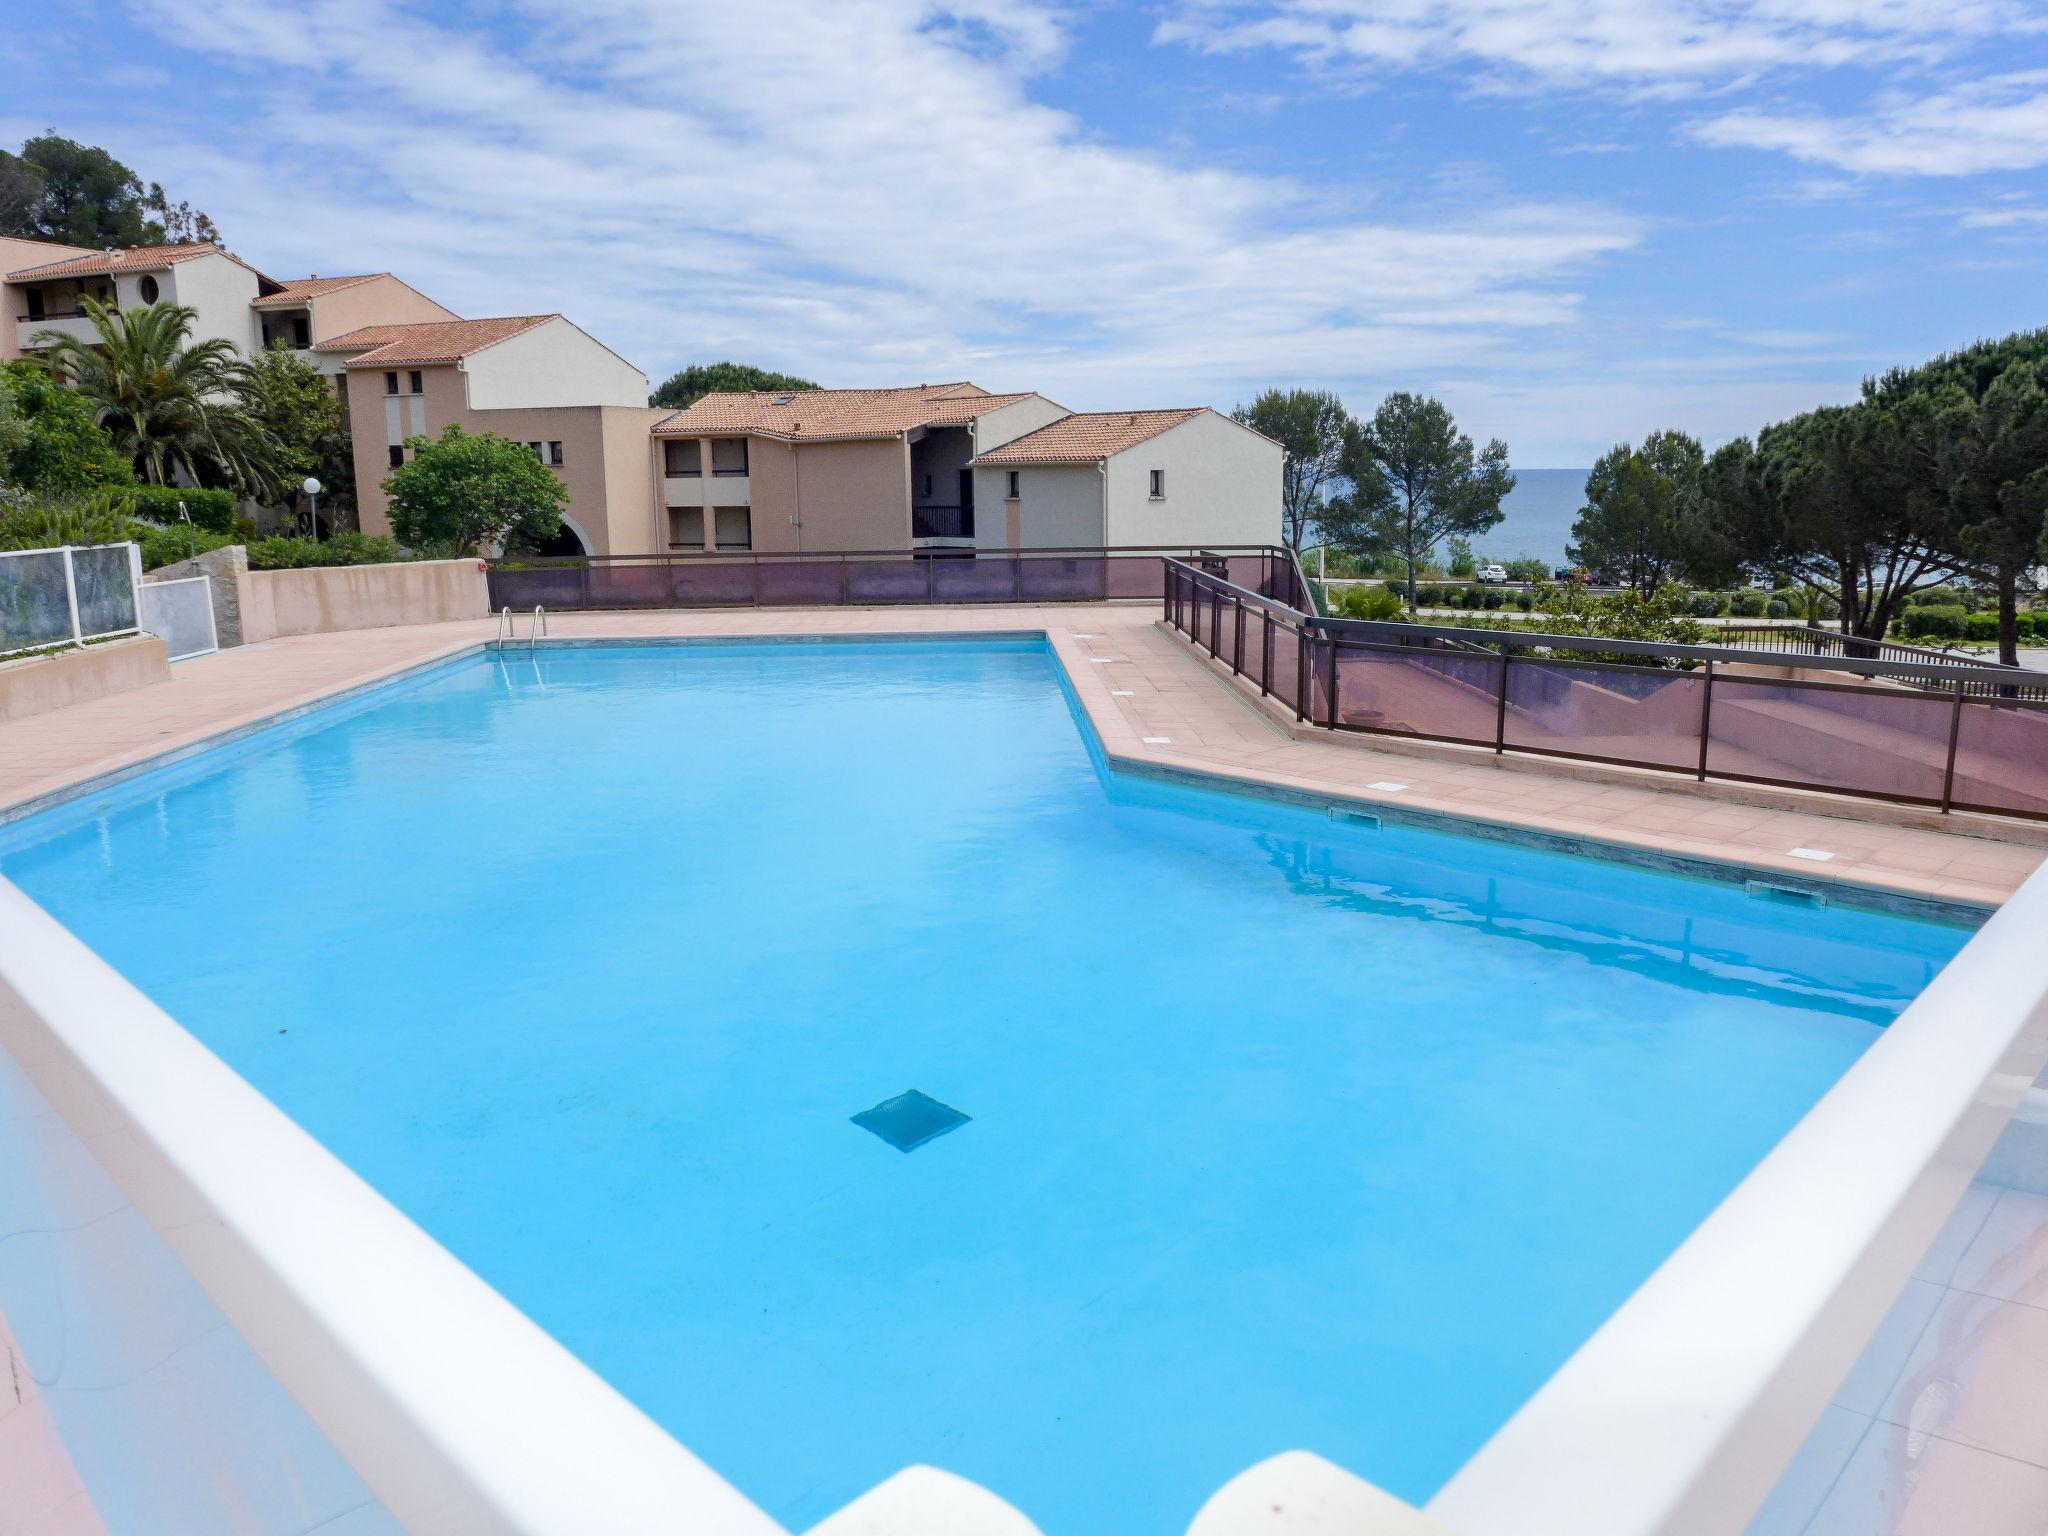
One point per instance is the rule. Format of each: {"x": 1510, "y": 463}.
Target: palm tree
{"x": 168, "y": 404}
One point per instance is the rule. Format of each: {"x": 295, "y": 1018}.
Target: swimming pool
{"x": 1283, "y": 1131}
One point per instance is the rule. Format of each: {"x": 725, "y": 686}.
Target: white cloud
{"x": 1999, "y": 123}
{"x": 1659, "y": 46}
{"x": 861, "y": 188}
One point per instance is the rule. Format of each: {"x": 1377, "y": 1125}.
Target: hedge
{"x": 213, "y": 511}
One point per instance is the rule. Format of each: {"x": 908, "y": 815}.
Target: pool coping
{"x": 1675, "y": 1416}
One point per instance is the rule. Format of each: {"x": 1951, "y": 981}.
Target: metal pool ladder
{"x": 509, "y": 631}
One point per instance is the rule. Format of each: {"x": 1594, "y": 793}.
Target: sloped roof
{"x": 822, "y": 415}
{"x": 1087, "y": 436}
{"x": 428, "y": 341}
{"x": 293, "y": 291}
{"x": 134, "y": 258}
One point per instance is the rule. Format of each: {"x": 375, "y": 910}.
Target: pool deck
{"x": 1154, "y": 702}
{"x": 1944, "y": 1425}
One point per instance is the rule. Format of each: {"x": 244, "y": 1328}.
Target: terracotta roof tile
{"x": 134, "y": 258}
{"x": 1087, "y": 436}
{"x": 430, "y": 341}
{"x": 826, "y": 415}
{"x": 293, "y": 291}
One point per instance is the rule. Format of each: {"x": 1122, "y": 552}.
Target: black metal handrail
{"x": 2004, "y": 718}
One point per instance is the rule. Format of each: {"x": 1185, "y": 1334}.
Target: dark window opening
{"x": 418, "y": 384}
{"x": 1014, "y": 477}
{"x": 397, "y": 454}
{"x": 35, "y": 303}
{"x": 390, "y": 383}
{"x": 682, "y": 458}
{"x": 729, "y": 456}
{"x": 1158, "y": 484}
{"x": 555, "y": 454}
{"x": 734, "y": 527}
{"x": 302, "y": 332}
{"x": 148, "y": 289}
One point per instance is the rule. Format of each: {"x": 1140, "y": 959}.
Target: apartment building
{"x": 831, "y": 469}
{"x": 940, "y": 466}
{"x": 536, "y": 379}
{"x": 1124, "y": 478}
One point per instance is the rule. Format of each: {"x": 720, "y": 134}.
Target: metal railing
{"x": 951, "y": 522}
{"x": 1803, "y": 640}
{"x": 1924, "y": 732}
{"x": 837, "y": 578}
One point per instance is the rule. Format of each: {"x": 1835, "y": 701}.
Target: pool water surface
{"x": 1270, "y": 1131}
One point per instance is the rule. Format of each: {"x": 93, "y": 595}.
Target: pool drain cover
{"x": 910, "y": 1120}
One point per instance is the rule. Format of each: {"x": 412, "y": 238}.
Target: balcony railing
{"x": 942, "y": 522}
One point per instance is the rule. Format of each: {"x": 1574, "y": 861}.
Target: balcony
{"x": 719, "y": 490}
{"x": 68, "y": 322}
{"x": 951, "y": 523}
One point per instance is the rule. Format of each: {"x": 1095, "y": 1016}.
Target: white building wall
{"x": 220, "y": 290}
{"x": 1010, "y": 422}
{"x": 1222, "y": 487}
{"x": 1059, "y": 507}
{"x": 552, "y": 364}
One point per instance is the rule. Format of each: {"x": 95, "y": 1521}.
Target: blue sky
{"x": 1575, "y": 220}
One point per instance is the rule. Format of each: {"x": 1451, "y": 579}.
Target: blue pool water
{"x": 1282, "y": 1132}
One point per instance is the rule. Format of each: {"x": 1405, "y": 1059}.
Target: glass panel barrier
{"x": 1891, "y": 742}
{"x": 34, "y": 606}
{"x": 1451, "y": 695}
{"x": 1617, "y": 714}
{"x": 2002, "y": 757}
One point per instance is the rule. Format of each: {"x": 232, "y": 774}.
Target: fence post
{"x": 1265, "y": 652}
{"x": 931, "y": 579}
{"x": 1706, "y": 717}
{"x": 1172, "y": 590}
{"x": 845, "y": 582}
{"x": 1955, "y": 731}
{"x": 71, "y": 597}
{"x": 1500, "y": 714}
{"x": 1301, "y": 674}
{"x": 1237, "y": 642}
{"x": 1330, "y": 712}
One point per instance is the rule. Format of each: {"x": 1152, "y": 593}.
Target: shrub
{"x": 1750, "y": 604}
{"x": 1981, "y": 627}
{"x": 1778, "y": 608}
{"x": 213, "y": 511}
{"x": 1707, "y": 605}
{"x": 1371, "y": 600}
{"x": 343, "y": 549}
{"x": 1492, "y": 598}
{"x": 1527, "y": 568}
{"x": 163, "y": 546}
{"x": 1526, "y": 601}
{"x": 1932, "y": 623}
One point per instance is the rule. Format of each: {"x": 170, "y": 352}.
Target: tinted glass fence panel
{"x": 1890, "y": 742}
{"x": 1617, "y": 714}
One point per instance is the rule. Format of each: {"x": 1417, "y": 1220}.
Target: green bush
{"x": 1749, "y": 604}
{"x": 1707, "y": 605}
{"x": 213, "y": 511}
{"x": 163, "y": 546}
{"x": 1981, "y": 627}
{"x": 1933, "y": 623}
{"x": 279, "y": 554}
{"x": 1526, "y": 601}
{"x": 1777, "y": 608}
{"x": 1527, "y": 568}
{"x": 1371, "y": 600}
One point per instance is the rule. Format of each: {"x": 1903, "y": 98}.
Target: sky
{"x": 1575, "y": 221}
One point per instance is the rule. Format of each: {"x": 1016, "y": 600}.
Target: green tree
{"x": 681, "y": 390}
{"x": 78, "y": 194}
{"x": 1417, "y": 480}
{"x": 1642, "y": 519}
{"x": 1977, "y": 428}
{"x": 294, "y": 403}
{"x": 169, "y": 403}
{"x": 62, "y": 450}
{"x": 466, "y": 490}
{"x": 1313, "y": 426}
{"x": 1836, "y": 499}
{"x": 14, "y": 436}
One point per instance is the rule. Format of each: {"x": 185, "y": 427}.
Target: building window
{"x": 1014, "y": 477}
{"x": 1158, "y": 485}
{"x": 35, "y": 304}
{"x": 148, "y": 289}
{"x": 397, "y": 454}
{"x": 729, "y": 456}
{"x": 685, "y": 527}
{"x": 555, "y": 454}
{"x": 735, "y": 528}
{"x": 537, "y": 451}
{"x": 419, "y": 386}
{"x": 682, "y": 458}
{"x": 927, "y": 485}
{"x": 302, "y": 333}
{"x": 390, "y": 383}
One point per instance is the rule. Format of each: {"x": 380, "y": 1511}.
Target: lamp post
{"x": 312, "y": 489}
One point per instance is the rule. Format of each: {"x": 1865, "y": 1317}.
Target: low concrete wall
{"x": 316, "y": 601}
{"x": 34, "y": 685}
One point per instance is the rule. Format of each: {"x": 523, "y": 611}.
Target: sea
{"x": 1540, "y": 512}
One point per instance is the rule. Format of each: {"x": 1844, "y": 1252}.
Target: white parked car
{"x": 1492, "y": 575}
